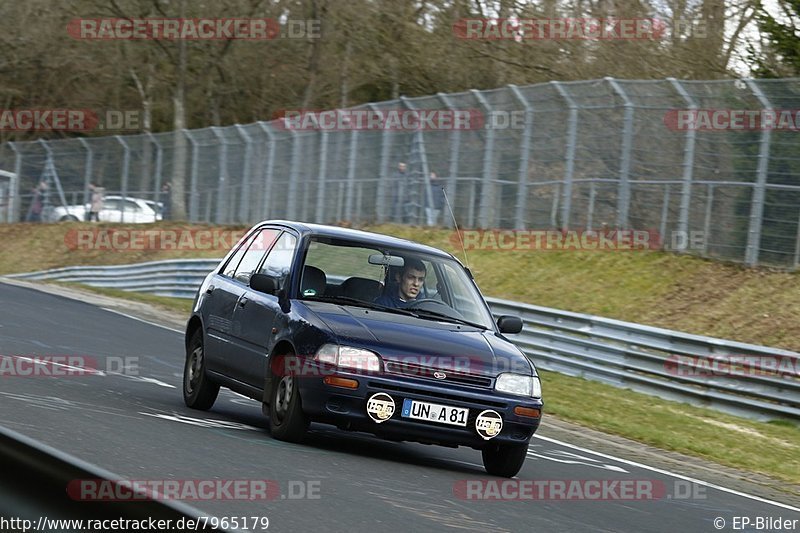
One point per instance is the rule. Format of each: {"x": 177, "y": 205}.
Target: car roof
{"x": 350, "y": 234}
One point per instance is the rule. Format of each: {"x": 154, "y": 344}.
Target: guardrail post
{"x": 524, "y": 158}
{"x": 485, "y": 211}
{"x": 455, "y": 143}
{"x": 194, "y": 198}
{"x": 244, "y": 203}
{"x": 222, "y": 192}
{"x": 125, "y": 174}
{"x": 268, "y": 170}
{"x": 13, "y": 186}
{"x": 688, "y": 165}
{"x": 87, "y": 171}
{"x": 624, "y": 192}
{"x": 569, "y": 156}
{"x": 759, "y": 191}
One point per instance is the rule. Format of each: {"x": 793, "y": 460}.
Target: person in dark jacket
{"x": 407, "y": 286}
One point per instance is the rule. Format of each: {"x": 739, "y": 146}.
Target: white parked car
{"x": 136, "y": 210}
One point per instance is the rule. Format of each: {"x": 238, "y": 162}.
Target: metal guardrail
{"x": 660, "y": 362}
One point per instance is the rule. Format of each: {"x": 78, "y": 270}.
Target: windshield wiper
{"x": 425, "y": 313}
{"x": 361, "y": 303}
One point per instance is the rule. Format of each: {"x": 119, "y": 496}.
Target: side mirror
{"x": 509, "y": 324}
{"x": 263, "y": 283}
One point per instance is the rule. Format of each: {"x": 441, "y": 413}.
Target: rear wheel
{"x": 287, "y": 421}
{"x": 68, "y": 218}
{"x": 504, "y": 460}
{"x": 199, "y": 392}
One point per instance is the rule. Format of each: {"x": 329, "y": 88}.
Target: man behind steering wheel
{"x": 408, "y": 283}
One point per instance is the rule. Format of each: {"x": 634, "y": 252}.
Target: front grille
{"x": 428, "y": 395}
{"x": 426, "y": 372}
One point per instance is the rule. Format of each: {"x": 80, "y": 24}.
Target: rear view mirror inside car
{"x": 387, "y": 260}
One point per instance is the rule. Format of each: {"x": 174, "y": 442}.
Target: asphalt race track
{"x": 134, "y": 423}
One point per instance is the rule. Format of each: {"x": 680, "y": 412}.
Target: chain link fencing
{"x": 598, "y": 154}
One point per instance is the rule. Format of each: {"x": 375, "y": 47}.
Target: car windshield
{"x": 427, "y": 286}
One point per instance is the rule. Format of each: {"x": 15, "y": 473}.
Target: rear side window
{"x": 244, "y": 262}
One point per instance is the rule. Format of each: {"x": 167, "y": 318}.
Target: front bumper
{"x": 346, "y": 408}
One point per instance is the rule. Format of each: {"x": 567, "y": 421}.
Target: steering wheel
{"x": 414, "y": 303}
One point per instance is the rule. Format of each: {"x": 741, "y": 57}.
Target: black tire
{"x": 287, "y": 421}
{"x": 504, "y": 460}
{"x": 68, "y": 218}
{"x": 199, "y": 392}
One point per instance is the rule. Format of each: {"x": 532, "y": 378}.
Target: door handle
{"x": 210, "y": 289}
{"x": 243, "y": 301}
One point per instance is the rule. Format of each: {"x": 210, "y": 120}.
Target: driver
{"x": 407, "y": 285}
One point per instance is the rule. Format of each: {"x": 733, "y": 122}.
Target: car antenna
{"x": 453, "y": 216}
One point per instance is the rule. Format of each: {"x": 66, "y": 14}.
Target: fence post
{"x": 624, "y": 193}
{"x": 455, "y": 143}
{"x": 268, "y": 170}
{"x": 244, "y": 201}
{"x": 707, "y": 221}
{"x": 87, "y": 171}
{"x": 383, "y": 175}
{"x": 125, "y": 170}
{"x": 223, "y": 169}
{"x": 759, "y": 191}
{"x": 419, "y": 140}
{"x": 688, "y": 166}
{"x": 351, "y": 173}
{"x": 569, "y": 170}
{"x": 524, "y": 158}
{"x": 485, "y": 212}
{"x": 13, "y": 186}
{"x": 194, "y": 198}
{"x": 322, "y": 177}
{"x": 294, "y": 177}
{"x": 50, "y": 166}
{"x": 159, "y": 162}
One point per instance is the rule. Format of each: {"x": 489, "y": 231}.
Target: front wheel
{"x": 199, "y": 392}
{"x": 504, "y": 460}
{"x": 287, "y": 421}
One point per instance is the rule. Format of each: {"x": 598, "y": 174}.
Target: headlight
{"x": 519, "y": 385}
{"x": 349, "y": 357}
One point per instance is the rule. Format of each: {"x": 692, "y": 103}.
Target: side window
{"x": 246, "y": 258}
{"x": 279, "y": 260}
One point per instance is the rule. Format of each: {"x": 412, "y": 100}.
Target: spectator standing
{"x": 96, "y": 205}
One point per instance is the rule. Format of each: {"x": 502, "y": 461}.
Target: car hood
{"x": 430, "y": 343}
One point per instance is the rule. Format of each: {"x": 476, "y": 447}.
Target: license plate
{"x": 434, "y": 412}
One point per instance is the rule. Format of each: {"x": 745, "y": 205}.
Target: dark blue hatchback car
{"x": 366, "y": 332}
